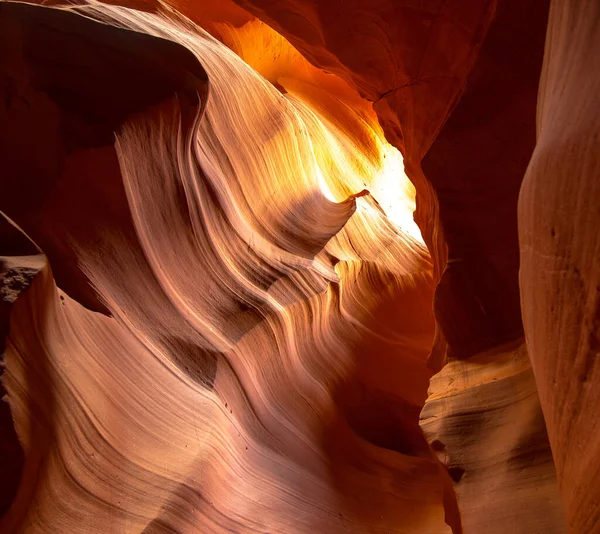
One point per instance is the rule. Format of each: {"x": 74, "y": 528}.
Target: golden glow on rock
{"x": 395, "y": 192}
{"x": 263, "y": 365}
{"x": 348, "y": 127}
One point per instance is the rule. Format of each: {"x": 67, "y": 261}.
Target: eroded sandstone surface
{"x": 284, "y": 286}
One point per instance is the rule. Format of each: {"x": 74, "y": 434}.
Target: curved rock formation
{"x": 229, "y": 382}
{"x": 435, "y": 107}
{"x": 236, "y": 319}
{"x": 558, "y": 230}
{"x": 484, "y": 422}
{"x": 47, "y": 116}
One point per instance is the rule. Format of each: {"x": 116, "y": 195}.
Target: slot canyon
{"x": 300, "y": 266}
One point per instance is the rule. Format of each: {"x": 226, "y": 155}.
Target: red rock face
{"x": 54, "y": 124}
{"x": 398, "y": 56}
{"x": 269, "y": 318}
{"x": 433, "y": 73}
{"x": 49, "y": 115}
{"x": 246, "y": 283}
{"x": 476, "y": 165}
{"x": 558, "y": 222}
{"x": 484, "y": 422}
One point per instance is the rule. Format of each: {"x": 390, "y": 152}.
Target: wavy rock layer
{"x": 484, "y": 421}
{"x": 469, "y": 124}
{"x": 433, "y": 71}
{"x": 249, "y": 290}
{"x": 232, "y": 328}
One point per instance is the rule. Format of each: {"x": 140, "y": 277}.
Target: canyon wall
{"x": 559, "y": 219}
{"x": 222, "y": 326}
{"x": 236, "y": 320}
{"x": 465, "y": 123}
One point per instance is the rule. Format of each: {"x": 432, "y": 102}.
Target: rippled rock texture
{"x": 235, "y": 323}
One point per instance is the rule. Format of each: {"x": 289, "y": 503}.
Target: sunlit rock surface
{"x": 433, "y": 72}
{"x": 236, "y": 320}
{"x": 248, "y": 286}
